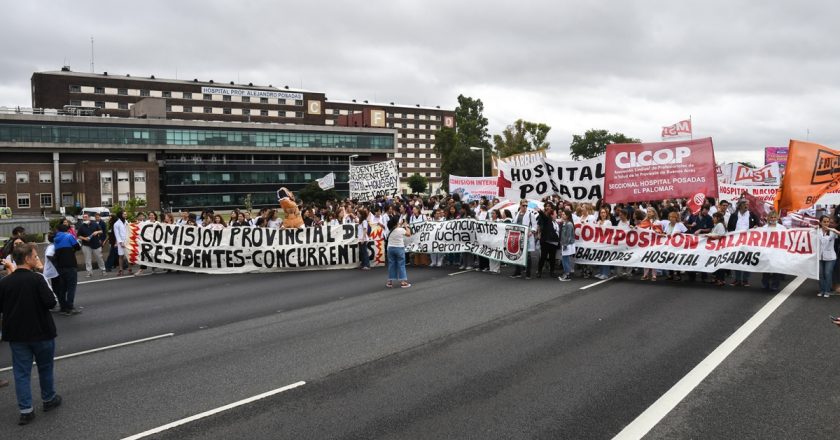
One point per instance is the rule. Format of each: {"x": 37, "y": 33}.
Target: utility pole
{"x": 91, "y": 54}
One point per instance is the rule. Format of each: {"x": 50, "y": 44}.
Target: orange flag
{"x": 812, "y": 170}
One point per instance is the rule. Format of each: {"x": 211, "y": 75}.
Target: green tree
{"x": 313, "y": 193}
{"x": 453, "y": 145}
{"x": 594, "y": 143}
{"x": 521, "y": 137}
{"x": 131, "y": 206}
{"x": 418, "y": 183}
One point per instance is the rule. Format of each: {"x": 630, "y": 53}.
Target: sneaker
{"x": 74, "y": 311}
{"x": 89, "y": 275}
{"x": 104, "y": 273}
{"x": 66, "y": 312}
{"x": 467, "y": 268}
{"x": 826, "y": 295}
{"x": 486, "y": 270}
{"x": 745, "y": 284}
{"x": 819, "y": 294}
{"x": 52, "y": 404}
{"x": 527, "y": 277}
{"x": 461, "y": 268}
{"x": 26, "y": 418}
{"x": 405, "y": 285}
{"x": 516, "y": 276}
{"x": 563, "y": 278}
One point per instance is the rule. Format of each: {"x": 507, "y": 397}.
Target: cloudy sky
{"x": 751, "y": 74}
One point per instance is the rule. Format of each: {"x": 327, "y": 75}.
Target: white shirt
{"x": 827, "y": 246}
{"x": 419, "y": 219}
{"x": 49, "y": 269}
{"x": 678, "y": 228}
{"x": 361, "y": 231}
{"x": 743, "y": 222}
{"x": 397, "y": 238}
{"x": 778, "y": 227}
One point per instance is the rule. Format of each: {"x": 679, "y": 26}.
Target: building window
{"x": 298, "y": 114}
{"x": 208, "y": 109}
{"x": 66, "y": 177}
{"x": 46, "y": 200}
{"x": 122, "y": 106}
{"x": 22, "y": 176}
{"x": 141, "y": 197}
{"x": 299, "y": 102}
{"x": 167, "y": 94}
{"x": 246, "y": 99}
{"x": 99, "y": 104}
{"x": 225, "y": 97}
{"x": 44, "y": 177}
{"x": 67, "y": 199}
{"x": 263, "y": 100}
{"x": 145, "y": 92}
{"x": 196, "y": 177}
{"x": 75, "y": 89}
{"x": 99, "y": 90}
{"x": 187, "y": 109}
{"x": 225, "y": 177}
{"x": 3, "y": 202}
{"x": 169, "y": 108}
{"x": 75, "y": 103}
{"x": 122, "y": 91}
{"x": 2, "y": 177}
{"x": 187, "y": 95}
{"x": 208, "y": 97}
{"x": 139, "y": 176}
{"x": 23, "y": 200}
{"x": 226, "y": 111}
{"x": 263, "y": 112}
{"x": 246, "y": 111}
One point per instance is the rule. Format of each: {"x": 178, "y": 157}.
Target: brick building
{"x": 208, "y": 100}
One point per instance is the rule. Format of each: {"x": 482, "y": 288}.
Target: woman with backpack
{"x": 395, "y": 243}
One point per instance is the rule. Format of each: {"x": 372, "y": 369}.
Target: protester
{"x": 828, "y": 257}
{"x": 362, "y": 232}
{"x": 395, "y": 243}
{"x": 525, "y": 218}
{"x": 65, "y": 262}
{"x": 771, "y": 281}
{"x": 670, "y": 227}
{"x": 742, "y": 220}
{"x": 90, "y": 235}
{"x": 567, "y": 244}
{"x": 121, "y": 237}
{"x": 28, "y": 327}
{"x": 718, "y": 232}
{"x": 549, "y": 239}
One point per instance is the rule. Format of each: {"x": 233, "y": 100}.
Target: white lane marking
{"x": 106, "y": 279}
{"x": 463, "y": 271}
{"x": 95, "y": 350}
{"x": 655, "y": 413}
{"x": 596, "y": 283}
{"x": 213, "y": 411}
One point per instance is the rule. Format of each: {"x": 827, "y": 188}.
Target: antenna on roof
{"x": 91, "y": 54}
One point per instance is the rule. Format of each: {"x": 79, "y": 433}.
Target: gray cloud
{"x": 751, "y": 74}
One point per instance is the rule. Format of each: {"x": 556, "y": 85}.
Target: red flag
{"x": 682, "y": 128}
{"x": 696, "y": 203}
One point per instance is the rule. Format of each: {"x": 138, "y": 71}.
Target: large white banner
{"x": 244, "y": 249}
{"x": 367, "y": 182}
{"x": 505, "y": 242}
{"x": 578, "y": 181}
{"x": 733, "y": 193}
{"x": 790, "y": 251}
{"x": 474, "y": 188}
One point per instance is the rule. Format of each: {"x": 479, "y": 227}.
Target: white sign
{"x": 327, "y": 182}
{"x": 790, "y": 251}
{"x": 733, "y": 193}
{"x": 367, "y": 182}
{"x": 577, "y": 181}
{"x": 739, "y": 174}
{"x": 252, "y": 93}
{"x": 505, "y": 242}
{"x": 243, "y": 249}
{"x": 473, "y": 188}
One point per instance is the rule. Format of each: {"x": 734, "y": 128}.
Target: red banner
{"x": 682, "y": 128}
{"x": 660, "y": 170}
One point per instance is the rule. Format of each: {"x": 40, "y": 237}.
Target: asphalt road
{"x": 466, "y": 356}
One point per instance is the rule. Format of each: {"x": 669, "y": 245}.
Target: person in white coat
{"x": 121, "y": 236}
{"x": 526, "y": 218}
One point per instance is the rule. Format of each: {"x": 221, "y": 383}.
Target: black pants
{"x": 547, "y": 251}
{"x": 518, "y": 270}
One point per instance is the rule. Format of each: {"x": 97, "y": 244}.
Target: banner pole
{"x": 692, "y": 127}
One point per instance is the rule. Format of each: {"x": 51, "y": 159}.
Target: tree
{"x": 314, "y": 194}
{"x": 453, "y": 144}
{"x": 521, "y": 137}
{"x": 418, "y": 183}
{"x": 594, "y": 143}
{"x": 131, "y": 206}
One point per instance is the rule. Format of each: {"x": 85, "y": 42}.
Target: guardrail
{"x": 32, "y": 226}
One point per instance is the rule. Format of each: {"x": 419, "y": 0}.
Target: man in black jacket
{"x": 549, "y": 239}
{"x": 28, "y": 327}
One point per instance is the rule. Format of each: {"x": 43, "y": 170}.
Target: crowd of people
{"x": 551, "y": 237}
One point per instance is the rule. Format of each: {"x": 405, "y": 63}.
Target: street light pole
{"x": 353, "y": 156}
{"x": 482, "y": 158}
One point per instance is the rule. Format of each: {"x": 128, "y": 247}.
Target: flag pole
{"x": 692, "y": 127}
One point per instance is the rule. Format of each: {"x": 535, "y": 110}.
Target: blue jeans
{"x": 605, "y": 270}
{"x": 567, "y": 264}
{"x": 826, "y": 272}
{"x": 364, "y": 256}
{"x": 22, "y": 354}
{"x": 741, "y": 276}
{"x": 67, "y": 294}
{"x": 396, "y": 264}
